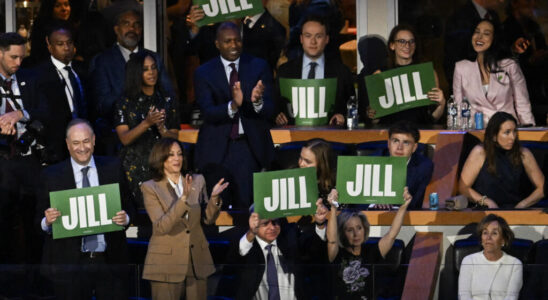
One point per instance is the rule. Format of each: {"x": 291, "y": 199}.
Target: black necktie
{"x": 234, "y": 132}
{"x": 6, "y": 85}
{"x": 272, "y": 275}
{"x": 77, "y": 93}
{"x": 312, "y": 72}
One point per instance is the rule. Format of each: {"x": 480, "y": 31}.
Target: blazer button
{"x": 188, "y": 231}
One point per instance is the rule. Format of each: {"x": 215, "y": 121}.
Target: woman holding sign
{"x": 494, "y": 171}
{"x": 346, "y": 236}
{"x": 317, "y": 153}
{"x": 490, "y": 79}
{"x": 178, "y": 260}
{"x": 402, "y": 51}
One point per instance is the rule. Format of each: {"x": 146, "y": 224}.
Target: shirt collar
{"x": 263, "y": 243}
{"x": 77, "y": 167}
{"x": 60, "y": 65}
{"x": 253, "y": 19}
{"x": 226, "y": 63}
{"x": 12, "y": 77}
{"x": 481, "y": 10}
{"x": 126, "y": 52}
{"x": 179, "y": 182}
{"x": 307, "y": 60}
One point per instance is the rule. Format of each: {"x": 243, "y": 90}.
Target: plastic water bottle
{"x": 465, "y": 114}
{"x": 352, "y": 113}
{"x": 452, "y": 113}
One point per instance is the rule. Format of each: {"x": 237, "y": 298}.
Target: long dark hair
{"x": 490, "y": 145}
{"x": 45, "y": 13}
{"x": 134, "y": 75}
{"x": 392, "y": 39}
{"x": 159, "y": 154}
{"x": 325, "y": 169}
{"x": 495, "y": 53}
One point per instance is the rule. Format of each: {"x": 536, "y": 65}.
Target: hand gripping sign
{"x": 285, "y": 193}
{"x": 400, "y": 89}
{"x": 312, "y": 100}
{"x": 371, "y": 179}
{"x": 86, "y": 211}
{"x": 223, "y": 10}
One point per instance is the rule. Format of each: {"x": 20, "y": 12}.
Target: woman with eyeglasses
{"x": 490, "y": 79}
{"x": 402, "y": 51}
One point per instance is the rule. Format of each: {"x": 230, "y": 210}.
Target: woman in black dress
{"x": 402, "y": 51}
{"x": 494, "y": 171}
{"x": 143, "y": 116}
{"x": 346, "y": 236}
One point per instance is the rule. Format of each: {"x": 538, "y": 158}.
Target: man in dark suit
{"x": 80, "y": 265}
{"x": 459, "y": 28}
{"x": 61, "y": 80}
{"x": 263, "y": 36}
{"x": 269, "y": 256}
{"x": 403, "y": 141}
{"x": 234, "y": 95}
{"x": 20, "y": 108}
{"x": 108, "y": 75}
{"x": 315, "y": 65}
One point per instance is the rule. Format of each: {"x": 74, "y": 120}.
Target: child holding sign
{"x": 346, "y": 236}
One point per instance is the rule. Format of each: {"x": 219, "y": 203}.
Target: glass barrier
{"x": 313, "y": 281}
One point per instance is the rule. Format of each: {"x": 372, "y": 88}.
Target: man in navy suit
{"x": 61, "y": 80}
{"x": 75, "y": 266}
{"x": 403, "y": 140}
{"x": 314, "y": 64}
{"x": 108, "y": 75}
{"x": 234, "y": 95}
{"x": 20, "y": 107}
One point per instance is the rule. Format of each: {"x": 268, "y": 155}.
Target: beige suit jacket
{"x": 175, "y": 239}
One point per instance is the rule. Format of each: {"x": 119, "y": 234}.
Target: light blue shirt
{"x": 320, "y": 68}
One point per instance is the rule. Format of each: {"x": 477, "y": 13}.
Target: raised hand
{"x": 237, "y": 95}
{"x": 219, "y": 188}
{"x": 257, "y": 92}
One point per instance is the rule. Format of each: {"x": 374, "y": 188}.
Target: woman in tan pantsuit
{"x": 178, "y": 260}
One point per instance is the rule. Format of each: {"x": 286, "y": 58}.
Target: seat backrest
{"x": 541, "y": 252}
{"x": 462, "y": 248}
{"x": 394, "y": 257}
{"x": 521, "y": 249}
{"x": 373, "y": 53}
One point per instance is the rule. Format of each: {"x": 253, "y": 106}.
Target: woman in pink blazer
{"x": 178, "y": 261}
{"x": 492, "y": 81}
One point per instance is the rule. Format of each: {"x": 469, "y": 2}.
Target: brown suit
{"x": 174, "y": 237}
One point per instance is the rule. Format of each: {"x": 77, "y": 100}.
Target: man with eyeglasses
{"x": 108, "y": 76}
{"x": 268, "y": 257}
{"x": 403, "y": 141}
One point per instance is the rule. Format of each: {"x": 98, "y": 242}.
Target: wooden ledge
{"x": 434, "y": 218}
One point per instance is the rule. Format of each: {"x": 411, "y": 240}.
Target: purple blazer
{"x": 507, "y": 90}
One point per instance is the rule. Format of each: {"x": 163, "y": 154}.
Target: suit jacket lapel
{"x": 219, "y": 76}
{"x": 67, "y": 181}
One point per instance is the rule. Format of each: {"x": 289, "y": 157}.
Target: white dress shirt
{"x": 178, "y": 188}
{"x": 320, "y": 68}
{"x": 64, "y": 76}
{"x": 286, "y": 281}
{"x": 257, "y": 106}
{"x": 20, "y": 126}
{"x": 126, "y": 52}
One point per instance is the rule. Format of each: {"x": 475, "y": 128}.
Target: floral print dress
{"x": 134, "y": 156}
{"x": 354, "y": 277}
